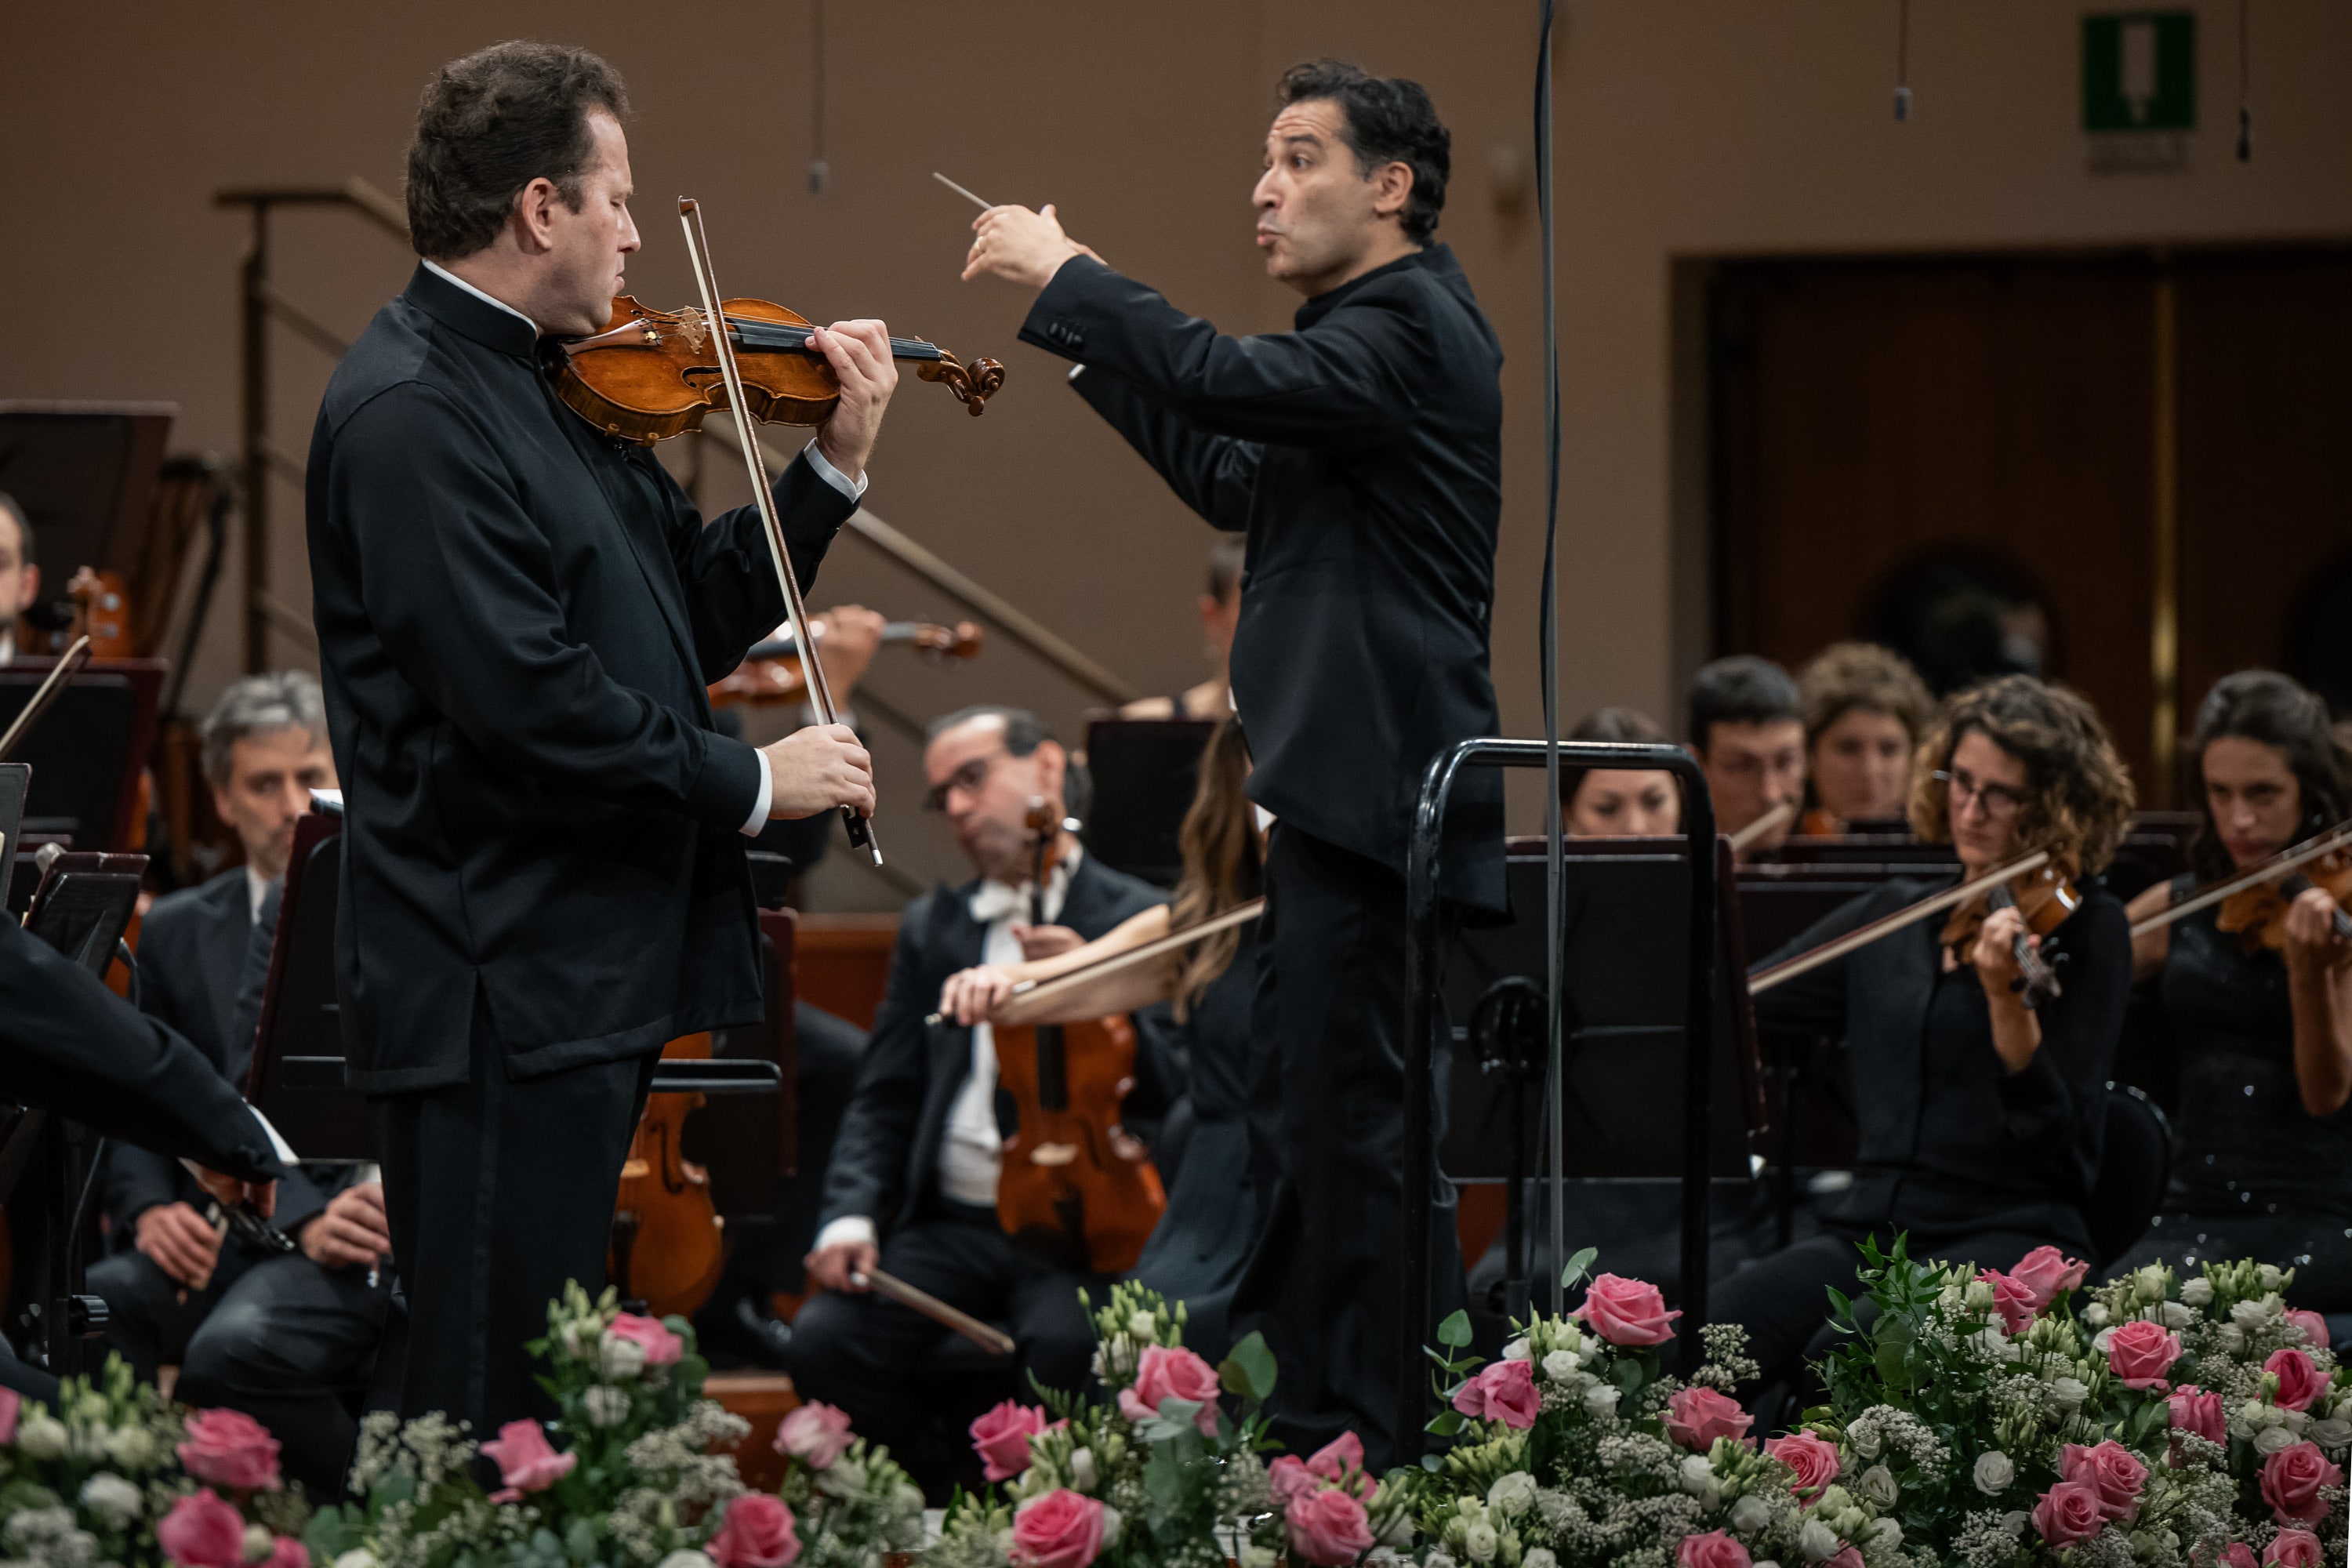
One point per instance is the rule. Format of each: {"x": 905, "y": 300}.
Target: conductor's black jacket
{"x": 517, "y": 618}
{"x": 1362, "y": 455}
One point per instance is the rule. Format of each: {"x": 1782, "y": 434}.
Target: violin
{"x": 2045, "y": 897}
{"x": 668, "y": 1244}
{"x": 1765, "y": 976}
{"x": 1074, "y": 1187}
{"x": 651, "y": 374}
{"x": 2258, "y": 914}
{"x": 772, "y": 673}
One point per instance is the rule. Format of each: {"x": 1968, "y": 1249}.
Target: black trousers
{"x": 1327, "y": 1136}
{"x": 289, "y": 1343}
{"x": 763, "y": 1259}
{"x": 1782, "y": 1299}
{"x": 2317, "y": 1246}
{"x": 498, "y": 1190}
{"x": 862, "y": 1352}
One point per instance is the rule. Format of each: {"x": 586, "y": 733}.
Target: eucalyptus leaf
{"x": 1249, "y": 1369}
{"x": 1577, "y": 1266}
{"x": 1456, "y": 1329}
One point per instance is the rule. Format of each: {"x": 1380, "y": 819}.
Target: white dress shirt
{"x": 853, "y": 488}
{"x": 257, "y": 889}
{"x": 971, "y": 1146}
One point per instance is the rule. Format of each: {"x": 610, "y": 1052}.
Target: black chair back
{"x": 2133, "y": 1169}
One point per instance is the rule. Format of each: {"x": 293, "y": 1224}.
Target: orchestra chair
{"x": 2135, "y": 1167}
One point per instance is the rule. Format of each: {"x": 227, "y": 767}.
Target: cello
{"x": 669, "y": 1241}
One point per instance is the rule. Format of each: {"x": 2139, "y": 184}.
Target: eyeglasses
{"x": 2000, "y": 802}
{"x": 967, "y": 778}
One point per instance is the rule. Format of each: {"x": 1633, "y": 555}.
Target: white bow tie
{"x": 993, "y": 900}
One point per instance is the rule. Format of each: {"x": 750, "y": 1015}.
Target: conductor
{"x": 1361, "y": 456}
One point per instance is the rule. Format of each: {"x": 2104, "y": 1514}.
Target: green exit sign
{"x": 2139, "y": 71}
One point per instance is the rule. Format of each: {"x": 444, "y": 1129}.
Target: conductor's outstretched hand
{"x": 818, "y": 768}
{"x": 1020, "y": 245}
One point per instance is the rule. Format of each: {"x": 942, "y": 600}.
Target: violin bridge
{"x": 693, "y": 327}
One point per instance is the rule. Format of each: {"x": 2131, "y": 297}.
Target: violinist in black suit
{"x": 912, "y": 1180}
{"x": 543, "y": 875}
{"x": 1361, "y": 454}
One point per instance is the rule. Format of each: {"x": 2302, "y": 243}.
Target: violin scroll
{"x": 973, "y": 384}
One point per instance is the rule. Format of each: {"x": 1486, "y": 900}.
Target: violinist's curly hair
{"x": 492, "y": 124}
{"x": 2079, "y": 793}
{"x": 1388, "y": 120}
{"x": 1219, "y": 839}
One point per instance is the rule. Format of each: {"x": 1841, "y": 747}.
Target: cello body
{"x": 669, "y": 1246}
{"x": 1074, "y": 1188}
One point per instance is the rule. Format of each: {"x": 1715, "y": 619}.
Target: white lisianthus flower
{"x": 2249, "y": 1315}
{"x": 1262, "y": 1556}
{"x": 2231, "y": 1338}
{"x": 2070, "y": 1393}
{"x": 1111, "y": 1523}
{"x": 1082, "y": 1470}
{"x": 361, "y": 1557}
{"x": 674, "y": 1560}
{"x": 1560, "y": 1365}
{"x": 1601, "y": 1399}
{"x": 1994, "y": 1472}
{"x": 2197, "y": 1292}
{"x": 2271, "y": 1439}
{"x": 2331, "y": 1433}
{"x": 2268, "y": 1277}
{"x": 1877, "y": 1483}
{"x": 1479, "y": 1542}
{"x": 42, "y": 1437}
{"x": 1817, "y": 1540}
{"x": 620, "y": 1359}
{"x": 2095, "y": 1314}
{"x": 607, "y": 1406}
{"x": 2295, "y": 1421}
{"x": 2175, "y": 1314}
{"x": 1748, "y": 1515}
{"x": 2015, "y": 1520}
{"x": 1539, "y": 1557}
{"x": 2149, "y": 1280}
{"x": 111, "y": 1496}
{"x": 1886, "y": 1533}
{"x": 2103, "y": 1338}
{"x": 1696, "y": 1471}
{"x": 1145, "y": 1328}
{"x": 1436, "y": 1559}
{"x": 258, "y": 1544}
{"x": 1977, "y": 1295}
{"x": 133, "y": 1448}
{"x": 1517, "y": 1350}
{"x": 1513, "y": 1494}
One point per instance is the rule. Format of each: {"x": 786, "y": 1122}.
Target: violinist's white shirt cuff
{"x": 854, "y": 489}
{"x": 850, "y": 1229}
{"x": 759, "y": 818}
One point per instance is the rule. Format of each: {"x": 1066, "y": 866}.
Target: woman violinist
{"x": 1979, "y": 1116}
{"x": 2263, "y": 1165}
{"x": 1196, "y": 1252}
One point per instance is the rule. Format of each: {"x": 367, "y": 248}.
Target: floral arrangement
{"x": 644, "y": 1476}
{"x": 1160, "y": 1472}
{"x": 1577, "y": 1448}
{"x": 114, "y": 1474}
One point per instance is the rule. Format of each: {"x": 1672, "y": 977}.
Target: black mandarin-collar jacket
{"x": 888, "y": 1147}
{"x": 1362, "y": 455}
{"x": 517, "y": 618}
{"x": 1951, "y": 1140}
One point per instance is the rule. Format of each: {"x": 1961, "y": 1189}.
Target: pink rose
{"x": 526, "y": 1462}
{"x": 1502, "y": 1391}
{"x": 2314, "y": 1327}
{"x": 817, "y": 1433}
{"x": 2013, "y": 1298}
{"x": 1340, "y": 1459}
{"x": 1328, "y": 1528}
{"x": 2293, "y": 1479}
{"x": 2069, "y": 1512}
{"x": 1178, "y": 1373}
{"x": 1848, "y": 1557}
{"x": 230, "y": 1449}
{"x": 202, "y": 1532}
{"x": 2299, "y": 1381}
{"x": 11, "y": 1404}
{"x": 2294, "y": 1549}
{"x": 1713, "y": 1550}
{"x": 1626, "y": 1312}
{"x": 662, "y": 1347}
{"x": 2049, "y": 1274}
{"x": 1001, "y": 1438}
{"x": 2112, "y": 1471}
{"x": 1813, "y": 1458}
{"x": 2238, "y": 1554}
{"x": 1060, "y": 1530}
{"x": 1288, "y": 1478}
{"x": 1695, "y": 1417}
{"x": 286, "y": 1552}
{"x": 2141, "y": 1352}
{"x": 757, "y": 1533}
{"x": 2199, "y": 1413}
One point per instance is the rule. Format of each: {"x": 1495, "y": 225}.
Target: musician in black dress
{"x": 1980, "y": 1116}
{"x": 1198, "y": 1248}
{"x": 2262, "y": 1161}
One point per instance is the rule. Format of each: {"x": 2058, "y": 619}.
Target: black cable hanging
{"x": 1555, "y": 888}
{"x": 1902, "y": 60}
{"x": 820, "y": 173}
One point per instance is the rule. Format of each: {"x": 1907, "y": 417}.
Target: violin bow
{"x": 1763, "y": 825}
{"x": 1760, "y": 980}
{"x": 2286, "y": 860}
{"x": 698, "y": 250}
{"x": 1037, "y": 992}
{"x": 46, "y": 693}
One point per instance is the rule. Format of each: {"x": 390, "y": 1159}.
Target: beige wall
{"x": 1687, "y": 129}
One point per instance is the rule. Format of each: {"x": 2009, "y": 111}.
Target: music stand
{"x": 15, "y": 780}
{"x": 86, "y": 752}
{"x": 84, "y": 904}
{"x": 1143, "y": 772}
{"x": 750, "y": 1148}
{"x": 84, "y": 474}
{"x": 297, "y": 1077}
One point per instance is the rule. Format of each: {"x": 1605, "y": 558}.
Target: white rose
{"x": 2070, "y": 1393}
{"x": 621, "y": 1359}
{"x": 112, "y": 1495}
{"x": 2197, "y": 1292}
{"x": 1877, "y": 1483}
{"x": 1817, "y": 1540}
{"x": 2331, "y": 1433}
{"x": 2248, "y": 1314}
{"x": 1561, "y": 1365}
{"x": 1601, "y": 1399}
{"x": 1994, "y": 1472}
{"x": 1512, "y": 1494}
{"x": 1539, "y": 1557}
{"x": 2096, "y": 1313}
{"x": 1479, "y": 1541}
{"x": 2271, "y": 1439}
{"x": 42, "y": 1437}
{"x": 1082, "y": 1470}
{"x": 1517, "y": 1350}
{"x": 1748, "y": 1515}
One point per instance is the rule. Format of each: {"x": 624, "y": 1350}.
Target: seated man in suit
{"x": 274, "y": 1335}
{"x": 913, "y": 1183}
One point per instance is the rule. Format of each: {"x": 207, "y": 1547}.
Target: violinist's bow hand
{"x": 972, "y": 996}
{"x": 1020, "y": 246}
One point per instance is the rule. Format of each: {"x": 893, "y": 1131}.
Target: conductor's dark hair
{"x": 1741, "y": 689}
{"x": 2264, "y": 706}
{"x": 1385, "y": 120}
{"x": 1023, "y": 731}
{"x": 492, "y": 124}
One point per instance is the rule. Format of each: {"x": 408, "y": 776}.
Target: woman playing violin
{"x": 1980, "y": 1115}
{"x": 2263, "y": 1162}
{"x": 1196, "y": 1253}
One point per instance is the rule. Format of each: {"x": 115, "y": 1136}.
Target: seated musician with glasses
{"x": 1980, "y": 1116}
{"x": 912, "y": 1181}
{"x": 1749, "y": 737}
